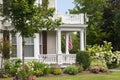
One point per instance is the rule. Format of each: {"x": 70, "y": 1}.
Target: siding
{"x": 51, "y": 42}
{"x": 52, "y": 3}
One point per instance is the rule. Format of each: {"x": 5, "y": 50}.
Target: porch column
{"x": 59, "y": 52}
{"x": 67, "y": 43}
{"x": 82, "y": 40}
{"x": 36, "y": 46}
{"x": 59, "y": 41}
{"x": 19, "y": 45}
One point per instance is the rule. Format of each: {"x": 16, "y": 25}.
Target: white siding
{"x": 1, "y": 1}
{"x": 52, "y": 3}
{"x": 51, "y": 42}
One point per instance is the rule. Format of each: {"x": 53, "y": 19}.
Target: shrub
{"x": 83, "y": 58}
{"x": 11, "y": 66}
{"x": 80, "y": 68}
{"x": 57, "y": 71}
{"x": 105, "y": 54}
{"x": 95, "y": 69}
{"x": 72, "y": 70}
{"x": 98, "y": 66}
{"x": 4, "y": 74}
{"x": 39, "y": 68}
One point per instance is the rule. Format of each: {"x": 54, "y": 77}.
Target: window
{"x": 29, "y": 47}
{"x": 14, "y": 46}
{"x": 40, "y": 43}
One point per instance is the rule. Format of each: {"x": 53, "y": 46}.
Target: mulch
{"x": 82, "y": 73}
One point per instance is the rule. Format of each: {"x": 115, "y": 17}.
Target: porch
{"x": 47, "y": 48}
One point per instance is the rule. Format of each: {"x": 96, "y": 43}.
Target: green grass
{"x": 112, "y": 76}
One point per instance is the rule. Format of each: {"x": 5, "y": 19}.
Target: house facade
{"x": 46, "y": 45}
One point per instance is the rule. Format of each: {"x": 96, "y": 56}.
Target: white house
{"x": 46, "y": 45}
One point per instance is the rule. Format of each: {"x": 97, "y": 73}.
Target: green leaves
{"x": 29, "y": 18}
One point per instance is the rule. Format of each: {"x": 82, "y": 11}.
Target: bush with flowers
{"x": 105, "y": 54}
{"x": 32, "y": 69}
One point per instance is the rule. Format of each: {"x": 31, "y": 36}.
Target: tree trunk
{"x": 23, "y": 43}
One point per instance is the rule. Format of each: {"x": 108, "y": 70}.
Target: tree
{"x": 111, "y": 23}
{"x": 94, "y": 10}
{"x": 28, "y": 18}
{"x": 103, "y": 22}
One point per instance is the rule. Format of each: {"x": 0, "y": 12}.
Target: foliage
{"x": 94, "y": 10}
{"x": 38, "y": 68}
{"x": 15, "y": 68}
{"x": 31, "y": 17}
{"x": 116, "y": 60}
{"x": 4, "y": 49}
{"x": 83, "y": 58}
{"x": 97, "y": 66}
{"x": 11, "y": 66}
{"x": 57, "y": 71}
{"x": 72, "y": 70}
{"x": 23, "y": 72}
{"x": 104, "y": 53}
{"x": 110, "y": 23}
{"x": 80, "y": 68}
{"x": 75, "y": 42}
{"x": 4, "y": 74}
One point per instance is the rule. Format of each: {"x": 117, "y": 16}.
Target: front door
{"x": 44, "y": 41}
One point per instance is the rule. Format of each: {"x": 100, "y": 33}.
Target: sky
{"x": 64, "y": 5}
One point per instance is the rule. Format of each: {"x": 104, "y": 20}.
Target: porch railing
{"x": 56, "y": 58}
{"x": 71, "y": 18}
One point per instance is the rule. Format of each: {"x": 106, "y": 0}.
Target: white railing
{"x": 69, "y": 58}
{"x": 71, "y": 18}
{"x": 53, "y": 58}
{"x": 48, "y": 58}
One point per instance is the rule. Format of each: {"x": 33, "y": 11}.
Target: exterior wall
{"x": 52, "y": 3}
{"x": 51, "y": 42}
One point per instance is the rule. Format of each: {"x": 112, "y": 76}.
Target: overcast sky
{"x": 64, "y": 5}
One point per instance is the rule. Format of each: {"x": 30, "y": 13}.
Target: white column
{"x": 82, "y": 40}
{"x": 19, "y": 45}
{"x": 59, "y": 53}
{"x": 67, "y": 43}
{"x": 10, "y": 39}
{"x": 59, "y": 41}
{"x": 36, "y": 46}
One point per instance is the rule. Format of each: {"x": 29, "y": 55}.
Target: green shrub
{"x": 11, "y": 66}
{"x": 95, "y": 69}
{"x": 83, "y": 58}
{"x": 105, "y": 53}
{"x": 98, "y": 66}
{"x": 39, "y": 68}
{"x": 80, "y": 68}
{"x": 72, "y": 70}
{"x": 57, "y": 71}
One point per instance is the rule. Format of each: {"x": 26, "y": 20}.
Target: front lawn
{"x": 111, "y": 76}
